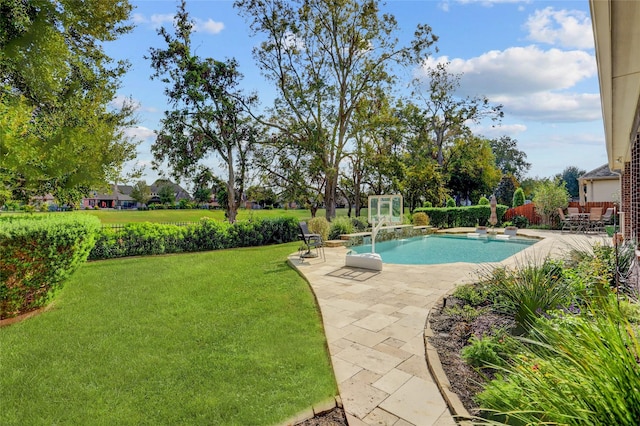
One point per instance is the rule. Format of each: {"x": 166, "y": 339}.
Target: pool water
{"x": 436, "y": 249}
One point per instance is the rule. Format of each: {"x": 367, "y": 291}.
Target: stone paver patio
{"x": 374, "y": 324}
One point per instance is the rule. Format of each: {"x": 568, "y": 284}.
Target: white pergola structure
{"x": 616, "y": 28}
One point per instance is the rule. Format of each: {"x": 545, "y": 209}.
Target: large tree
{"x": 509, "y": 159}
{"x": 441, "y": 117}
{"x": 208, "y": 114}
{"x": 570, "y": 177}
{"x": 58, "y": 131}
{"x": 324, "y": 57}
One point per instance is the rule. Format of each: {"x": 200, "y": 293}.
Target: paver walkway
{"x": 374, "y": 323}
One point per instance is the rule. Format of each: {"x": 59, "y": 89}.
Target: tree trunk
{"x": 330, "y": 195}
{"x": 232, "y": 208}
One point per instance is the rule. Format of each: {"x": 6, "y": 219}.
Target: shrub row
{"x": 141, "y": 239}
{"x": 451, "y": 217}
{"x": 37, "y": 253}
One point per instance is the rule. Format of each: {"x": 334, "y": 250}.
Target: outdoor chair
{"x": 311, "y": 241}
{"x": 607, "y": 216}
{"x": 595, "y": 220}
{"x": 572, "y": 210}
{"x": 566, "y": 223}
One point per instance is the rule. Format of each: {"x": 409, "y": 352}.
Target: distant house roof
{"x": 602, "y": 172}
{"x": 177, "y": 189}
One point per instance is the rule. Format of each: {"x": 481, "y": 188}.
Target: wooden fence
{"x": 529, "y": 210}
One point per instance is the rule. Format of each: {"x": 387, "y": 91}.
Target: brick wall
{"x": 634, "y": 190}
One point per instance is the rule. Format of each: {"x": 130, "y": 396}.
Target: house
{"x": 599, "y": 185}
{"x": 119, "y": 196}
{"x": 617, "y": 42}
{"x": 179, "y": 192}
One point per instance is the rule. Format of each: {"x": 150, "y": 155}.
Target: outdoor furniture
{"x": 607, "y": 216}
{"x": 567, "y": 223}
{"x": 573, "y": 210}
{"x": 510, "y": 231}
{"x": 595, "y": 223}
{"x": 311, "y": 241}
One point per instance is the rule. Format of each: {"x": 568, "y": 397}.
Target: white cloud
{"x": 157, "y": 20}
{"x": 529, "y": 82}
{"x": 209, "y": 26}
{"x": 492, "y": 132}
{"x": 139, "y": 133}
{"x": 567, "y": 28}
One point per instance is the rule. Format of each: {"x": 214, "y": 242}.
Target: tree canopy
{"x": 324, "y": 57}
{"x": 208, "y": 113}
{"x": 58, "y": 131}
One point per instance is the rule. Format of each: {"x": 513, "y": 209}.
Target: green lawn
{"x": 128, "y": 216}
{"x": 227, "y": 337}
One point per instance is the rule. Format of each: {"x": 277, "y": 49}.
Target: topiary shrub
{"x": 451, "y": 202}
{"x": 484, "y": 201}
{"x": 37, "y": 254}
{"x": 420, "y": 219}
{"x": 518, "y": 198}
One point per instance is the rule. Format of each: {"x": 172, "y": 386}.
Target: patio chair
{"x": 310, "y": 241}
{"x": 566, "y": 223}
{"x": 607, "y": 216}
{"x": 595, "y": 220}
{"x": 572, "y": 210}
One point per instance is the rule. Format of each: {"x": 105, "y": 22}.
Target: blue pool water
{"x": 436, "y": 249}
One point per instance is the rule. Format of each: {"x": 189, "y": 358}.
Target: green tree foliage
{"x": 58, "y": 131}
{"x": 208, "y": 115}
{"x": 505, "y": 189}
{"x": 471, "y": 169}
{"x": 518, "y": 198}
{"x": 441, "y": 117}
{"x": 549, "y": 196}
{"x": 570, "y": 177}
{"x": 141, "y": 192}
{"x": 166, "y": 195}
{"x": 509, "y": 159}
{"x": 324, "y": 57}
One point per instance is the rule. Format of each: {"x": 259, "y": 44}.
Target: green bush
{"x": 339, "y": 226}
{"x": 469, "y": 216}
{"x": 486, "y": 351}
{"x": 141, "y": 239}
{"x": 518, "y": 198}
{"x": 360, "y": 223}
{"x": 37, "y": 254}
{"x": 450, "y": 202}
{"x": 420, "y": 219}
{"x": 319, "y": 225}
{"x": 484, "y": 201}
{"x": 520, "y": 221}
{"x": 427, "y": 204}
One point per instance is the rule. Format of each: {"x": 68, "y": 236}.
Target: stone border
{"x": 315, "y": 410}
{"x": 459, "y": 412}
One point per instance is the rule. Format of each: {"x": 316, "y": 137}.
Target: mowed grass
{"x": 194, "y": 215}
{"x": 227, "y": 338}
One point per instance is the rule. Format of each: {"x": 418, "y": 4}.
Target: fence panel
{"x": 527, "y": 210}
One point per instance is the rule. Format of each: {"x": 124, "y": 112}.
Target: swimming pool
{"x": 436, "y": 249}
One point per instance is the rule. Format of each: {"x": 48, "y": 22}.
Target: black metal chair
{"x": 311, "y": 241}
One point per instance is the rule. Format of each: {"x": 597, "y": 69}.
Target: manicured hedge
{"x": 142, "y": 239}
{"x": 451, "y": 217}
{"x": 37, "y": 254}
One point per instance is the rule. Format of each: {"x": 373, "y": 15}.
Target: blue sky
{"x": 536, "y": 58}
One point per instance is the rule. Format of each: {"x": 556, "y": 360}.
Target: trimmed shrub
{"x": 420, "y": 219}
{"x": 518, "y": 198}
{"x": 37, "y": 254}
{"x": 143, "y": 239}
{"x": 450, "y": 202}
{"x": 484, "y": 201}
{"x": 450, "y": 217}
